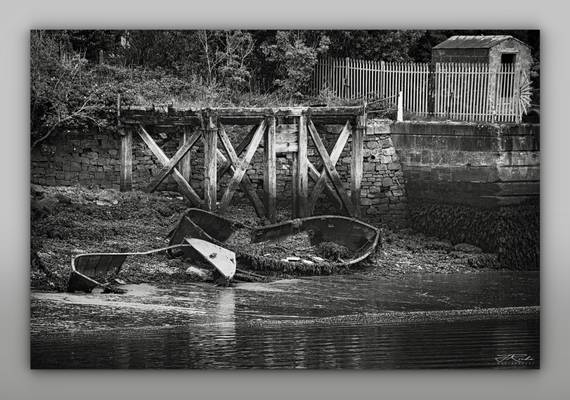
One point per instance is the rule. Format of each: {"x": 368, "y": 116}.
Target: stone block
{"x": 372, "y": 144}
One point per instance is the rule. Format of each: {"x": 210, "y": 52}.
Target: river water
{"x": 485, "y": 320}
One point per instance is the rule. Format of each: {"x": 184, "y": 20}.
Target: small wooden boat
{"x": 92, "y": 270}
{"x": 201, "y": 235}
{"x": 359, "y": 238}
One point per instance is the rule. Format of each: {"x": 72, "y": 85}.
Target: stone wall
{"x": 91, "y": 158}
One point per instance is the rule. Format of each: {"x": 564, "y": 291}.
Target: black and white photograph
{"x": 284, "y": 199}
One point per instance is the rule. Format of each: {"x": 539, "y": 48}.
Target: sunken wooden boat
{"x": 358, "y": 239}
{"x": 91, "y": 270}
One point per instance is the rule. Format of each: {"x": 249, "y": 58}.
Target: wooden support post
{"x": 126, "y": 161}
{"x": 210, "y": 164}
{"x": 270, "y": 173}
{"x": 295, "y": 185}
{"x": 302, "y": 181}
{"x": 357, "y": 161}
{"x": 185, "y": 163}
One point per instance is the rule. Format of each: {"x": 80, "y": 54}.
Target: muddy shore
{"x": 67, "y": 221}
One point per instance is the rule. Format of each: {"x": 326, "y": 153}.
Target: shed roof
{"x": 474, "y": 42}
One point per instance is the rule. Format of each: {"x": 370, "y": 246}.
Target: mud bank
{"x": 67, "y": 221}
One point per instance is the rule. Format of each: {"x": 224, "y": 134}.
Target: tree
{"x": 60, "y": 84}
{"x": 294, "y": 54}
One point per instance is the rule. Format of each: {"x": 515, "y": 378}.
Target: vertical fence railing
{"x": 461, "y": 91}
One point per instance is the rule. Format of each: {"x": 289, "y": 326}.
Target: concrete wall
{"x": 479, "y": 165}
{"x": 475, "y": 183}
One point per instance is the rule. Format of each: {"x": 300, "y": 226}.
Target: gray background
{"x": 18, "y": 381}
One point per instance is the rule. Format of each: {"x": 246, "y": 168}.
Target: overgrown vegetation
{"x": 75, "y": 74}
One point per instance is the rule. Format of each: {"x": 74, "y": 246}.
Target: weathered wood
{"x": 286, "y": 147}
{"x": 240, "y": 165}
{"x": 294, "y": 185}
{"x": 126, "y": 181}
{"x": 270, "y": 173}
{"x": 167, "y": 169}
{"x": 171, "y": 116}
{"x": 356, "y": 166}
{"x": 334, "y": 157}
{"x": 185, "y": 188}
{"x": 330, "y": 169}
{"x": 302, "y": 181}
{"x": 186, "y": 161}
{"x": 314, "y": 175}
{"x": 210, "y": 165}
{"x": 238, "y": 150}
{"x": 286, "y": 130}
{"x": 246, "y": 184}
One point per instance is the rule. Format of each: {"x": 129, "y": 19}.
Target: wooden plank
{"x": 210, "y": 165}
{"x": 314, "y": 175}
{"x": 335, "y": 155}
{"x": 289, "y": 130}
{"x": 238, "y": 150}
{"x": 246, "y": 184}
{"x": 185, "y": 163}
{"x": 330, "y": 169}
{"x": 126, "y": 180}
{"x": 240, "y": 165}
{"x": 356, "y": 167}
{"x": 286, "y": 147}
{"x": 185, "y": 188}
{"x": 173, "y": 162}
{"x": 302, "y": 164}
{"x": 270, "y": 173}
{"x": 294, "y": 185}
{"x": 287, "y": 137}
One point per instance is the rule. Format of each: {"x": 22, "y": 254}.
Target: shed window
{"x": 507, "y": 75}
{"x": 508, "y": 58}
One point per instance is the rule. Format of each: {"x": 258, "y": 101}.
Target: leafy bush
{"x": 295, "y": 60}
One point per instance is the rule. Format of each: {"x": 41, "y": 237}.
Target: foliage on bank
{"x": 513, "y": 232}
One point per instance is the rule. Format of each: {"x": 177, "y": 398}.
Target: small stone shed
{"x": 506, "y": 61}
{"x": 495, "y": 50}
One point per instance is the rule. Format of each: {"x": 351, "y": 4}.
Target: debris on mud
{"x": 67, "y": 221}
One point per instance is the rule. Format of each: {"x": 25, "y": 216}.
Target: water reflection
{"x": 465, "y": 345}
{"x": 202, "y": 326}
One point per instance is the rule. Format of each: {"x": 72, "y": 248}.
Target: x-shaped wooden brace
{"x": 239, "y": 167}
{"x": 169, "y": 165}
{"x": 329, "y": 162}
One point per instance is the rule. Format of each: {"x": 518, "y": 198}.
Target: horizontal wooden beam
{"x": 166, "y": 116}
